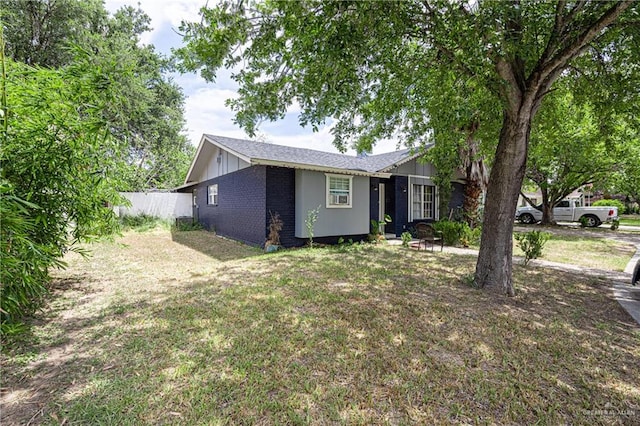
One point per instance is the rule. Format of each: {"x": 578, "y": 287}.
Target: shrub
{"x": 622, "y": 209}
{"x": 471, "y": 237}
{"x": 275, "y": 226}
{"x": 406, "y": 238}
{"x": 143, "y": 222}
{"x": 310, "y": 223}
{"x": 24, "y": 263}
{"x": 182, "y": 226}
{"x": 451, "y": 231}
{"x": 531, "y": 243}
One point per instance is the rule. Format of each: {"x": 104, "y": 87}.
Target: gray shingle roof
{"x": 286, "y": 154}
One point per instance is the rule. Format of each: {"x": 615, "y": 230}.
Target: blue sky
{"x": 205, "y": 111}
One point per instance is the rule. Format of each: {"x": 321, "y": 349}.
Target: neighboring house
{"x": 236, "y": 185}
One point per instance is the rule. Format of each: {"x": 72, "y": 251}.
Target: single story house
{"x": 237, "y": 184}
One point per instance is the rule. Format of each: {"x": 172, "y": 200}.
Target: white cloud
{"x": 162, "y": 13}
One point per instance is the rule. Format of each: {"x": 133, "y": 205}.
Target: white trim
{"x": 230, "y": 151}
{"x": 212, "y": 190}
{"x": 436, "y": 198}
{"x": 219, "y": 146}
{"x": 421, "y": 177}
{"x": 351, "y": 172}
{"x": 328, "y": 204}
{"x": 407, "y": 159}
{"x": 193, "y": 163}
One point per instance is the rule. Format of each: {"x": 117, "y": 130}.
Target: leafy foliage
{"x": 310, "y": 223}
{"x": 142, "y": 222}
{"x": 613, "y": 203}
{"x": 148, "y": 126}
{"x": 57, "y": 173}
{"x": 23, "y": 263}
{"x": 376, "y": 225}
{"x": 568, "y": 149}
{"x": 406, "y": 238}
{"x": 531, "y": 243}
{"x": 452, "y": 231}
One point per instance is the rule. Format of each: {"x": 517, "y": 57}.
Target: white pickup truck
{"x": 570, "y": 211}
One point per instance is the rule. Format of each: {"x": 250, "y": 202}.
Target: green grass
{"x": 586, "y": 250}
{"x": 630, "y": 220}
{"x": 193, "y": 329}
{"x": 143, "y": 223}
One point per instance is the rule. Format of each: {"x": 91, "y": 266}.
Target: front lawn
{"x": 195, "y": 329}
{"x": 588, "y": 250}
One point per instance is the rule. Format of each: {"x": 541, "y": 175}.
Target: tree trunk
{"x": 547, "y": 208}
{"x": 472, "y": 192}
{"x": 494, "y": 265}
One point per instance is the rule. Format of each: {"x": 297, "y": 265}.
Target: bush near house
{"x": 607, "y": 202}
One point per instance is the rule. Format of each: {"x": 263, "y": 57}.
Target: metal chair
{"x": 428, "y": 234}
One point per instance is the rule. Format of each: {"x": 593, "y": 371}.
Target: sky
{"x": 205, "y": 110}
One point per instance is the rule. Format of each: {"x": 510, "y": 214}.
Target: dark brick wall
{"x": 241, "y": 210}
{"x": 281, "y": 199}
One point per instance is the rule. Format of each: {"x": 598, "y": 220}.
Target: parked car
{"x": 569, "y": 211}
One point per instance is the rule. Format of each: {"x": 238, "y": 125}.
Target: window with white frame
{"x": 212, "y": 194}
{"x": 339, "y": 191}
{"x": 424, "y": 202}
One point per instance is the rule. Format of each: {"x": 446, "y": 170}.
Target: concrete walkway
{"x": 627, "y": 295}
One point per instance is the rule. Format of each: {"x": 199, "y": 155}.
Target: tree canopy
{"x": 568, "y": 149}
{"x": 418, "y": 69}
{"x": 150, "y": 123}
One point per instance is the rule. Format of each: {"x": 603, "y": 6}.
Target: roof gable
{"x": 279, "y": 155}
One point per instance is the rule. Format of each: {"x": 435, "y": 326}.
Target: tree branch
{"x": 559, "y": 61}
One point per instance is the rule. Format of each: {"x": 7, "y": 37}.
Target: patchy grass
{"x": 630, "y": 220}
{"x": 587, "y": 251}
{"x": 194, "y": 329}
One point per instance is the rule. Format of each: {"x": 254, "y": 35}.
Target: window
{"x": 424, "y": 205}
{"x": 339, "y": 191}
{"x": 212, "y": 194}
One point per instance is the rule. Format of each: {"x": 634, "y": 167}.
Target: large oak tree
{"x": 379, "y": 69}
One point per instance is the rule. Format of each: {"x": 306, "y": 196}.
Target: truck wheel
{"x": 527, "y": 218}
{"x": 592, "y": 221}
